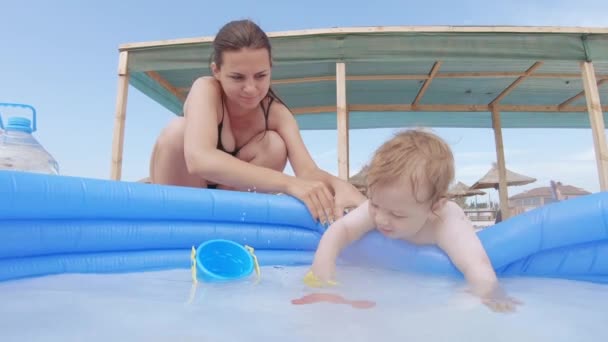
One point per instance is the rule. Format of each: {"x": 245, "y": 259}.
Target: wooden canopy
{"x": 398, "y": 76}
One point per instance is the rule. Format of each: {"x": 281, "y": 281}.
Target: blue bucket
{"x": 223, "y": 260}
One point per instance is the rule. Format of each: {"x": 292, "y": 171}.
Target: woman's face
{"x": 244, "y": 76}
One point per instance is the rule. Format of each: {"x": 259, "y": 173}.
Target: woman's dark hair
{"x": 241, "y": 34}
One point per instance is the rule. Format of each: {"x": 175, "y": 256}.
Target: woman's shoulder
{"x": 204, "y": 90}
{"x": 206, "y": 83}
{"x": 277, "y": 105}
{"x": 278, "y": 114}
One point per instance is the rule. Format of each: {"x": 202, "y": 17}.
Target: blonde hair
{"x": 422, "y": 156}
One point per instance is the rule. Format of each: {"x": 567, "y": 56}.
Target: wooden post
{"x": 502, "y": 170}
{"x": 596, "y": 118}
{"x": 120, "y": 116}
{"x": 342, "y": 120}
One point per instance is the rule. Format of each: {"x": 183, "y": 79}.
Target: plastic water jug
{"x": 19, "y": 150}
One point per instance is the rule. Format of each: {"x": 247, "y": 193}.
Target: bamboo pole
{"x": 596, "y": 118}
{"x": 342, "y": 118}
{"x": 502, "y": 171}
{"x": 120, "y": 116}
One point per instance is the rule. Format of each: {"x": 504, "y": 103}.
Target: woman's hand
{"x": 316, "y": 196}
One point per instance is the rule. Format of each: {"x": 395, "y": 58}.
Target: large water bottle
{"x": 19, "y": 150}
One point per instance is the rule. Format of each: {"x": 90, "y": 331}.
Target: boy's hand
{"x": 498, "y": 301}
{"x": 320, "y": 276}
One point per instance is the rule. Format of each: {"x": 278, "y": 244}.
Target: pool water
{"x": 157, "y": 306}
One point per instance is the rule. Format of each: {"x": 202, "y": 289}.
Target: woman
{"x": 237, "y": 134}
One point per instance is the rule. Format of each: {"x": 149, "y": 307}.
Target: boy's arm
{"x": 456, "y": 236}
{"x": 344, "y": 231}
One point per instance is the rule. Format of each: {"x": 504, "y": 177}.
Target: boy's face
{"x": 395, "y": 210}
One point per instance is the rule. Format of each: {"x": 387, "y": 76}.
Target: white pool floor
{"x": 155, "y": 306}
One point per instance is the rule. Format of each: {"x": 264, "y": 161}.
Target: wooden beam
{"x": 577, "y": 96}
{"x": 120, "y": 114}
{"x": 427, "y": 83}
{"x": 596, "y": 118}
{"x": 399, "y": 77}
{"x": 562, "y": 75}
{"x": 541, "y": 108}
{"x": 515, "y": 84}
{"x": 313, "y": 110}
{"x": 501, "y": 164}
{"x": 378, "y": 29}
{"x": 461, "y": 108}
{"x": 165, "y": 84}
{"x": 304, "y": 80}
{"x": 479, "y": 74}
{"x": 441, "y": 108}
{"x": 394, "y": 77}
{"x": 342, "y": 121}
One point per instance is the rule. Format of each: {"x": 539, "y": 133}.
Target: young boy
{"x": 408, "y": 181}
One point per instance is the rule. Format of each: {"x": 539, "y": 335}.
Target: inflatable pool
{"x": 59, "y": 224}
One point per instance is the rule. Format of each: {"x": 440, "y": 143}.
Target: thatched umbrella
{"x": 490, "y": 179}
{"x": 462, "y": 190}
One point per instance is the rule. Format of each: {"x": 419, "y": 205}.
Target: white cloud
{"x": 577, "y": 170}
{"x": 581, "y": 174}
{"x": 586, "y": 156}
{"x": 474, "y": 155}
{"x": 470, "y": 173}
{"x": 563, "y": 13}
{"x": 489, "y": 155}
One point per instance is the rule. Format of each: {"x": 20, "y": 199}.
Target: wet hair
{"x": 243, "y": 34}
{"x": 420, "y": 155}
{"x": 237, "y": 35}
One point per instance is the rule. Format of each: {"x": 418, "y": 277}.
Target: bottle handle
{"x": 21, "y": 105}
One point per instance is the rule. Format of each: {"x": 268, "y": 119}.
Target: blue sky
{"x": 61, "y": 57}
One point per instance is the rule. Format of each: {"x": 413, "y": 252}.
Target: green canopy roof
{"x": 403, "y": 76}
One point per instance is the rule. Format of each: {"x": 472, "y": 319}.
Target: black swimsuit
{"x": 220, "y": 146}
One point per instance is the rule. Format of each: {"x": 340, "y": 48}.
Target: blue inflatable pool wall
{"x": 59, "y": 224}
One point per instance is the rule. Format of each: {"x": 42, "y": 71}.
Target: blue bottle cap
{"x": 21, "y": 105}
{"x": 19, "y": 124}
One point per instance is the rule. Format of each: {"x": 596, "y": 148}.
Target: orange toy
{"x": 333, "y": 298}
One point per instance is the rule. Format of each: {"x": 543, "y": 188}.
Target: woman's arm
{"x": 205, "y": 160}
{"x": 345, "y": 194}
{"x": 200, "y": 145}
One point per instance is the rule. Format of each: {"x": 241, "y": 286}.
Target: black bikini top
{"x": 220, "y": 146}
